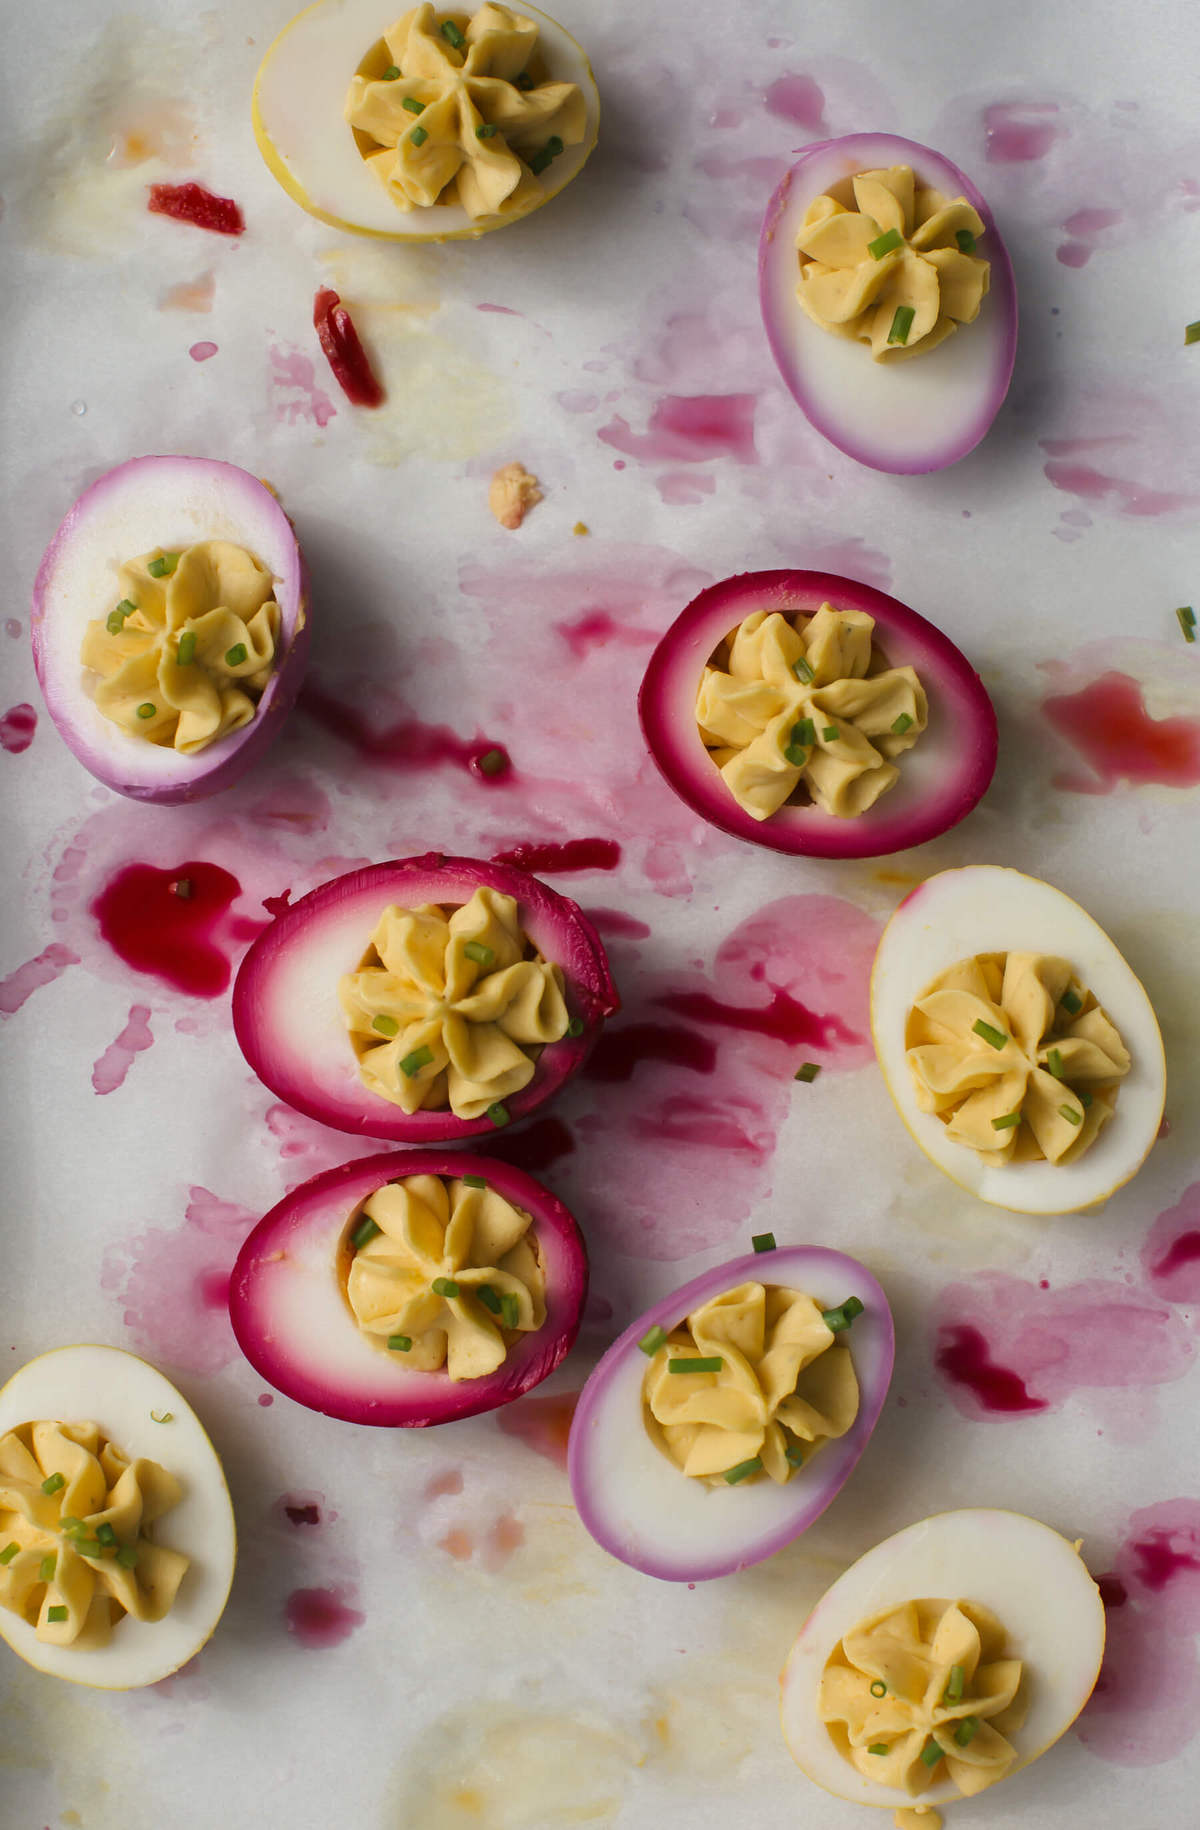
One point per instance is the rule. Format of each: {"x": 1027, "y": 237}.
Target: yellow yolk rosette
{"x": 445, "y": 1273}
{"x": 924, "y": 1692}
{"x": 898, "y": 271}
{"x": 771, "y": 1386}
{"x": 1016, "y": 1057}
{"x": 75, "y": 1555}
{"x": 445, "y": 1008}
{"x": 186, "y": 652}
{"x": 459, "y": 114}
{"x": 791, "y": 703}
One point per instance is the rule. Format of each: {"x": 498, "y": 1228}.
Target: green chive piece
{"x": 1191, "y": 332}
{"x": 902, "y": 323}
{"x": 808, "y": 1073}
{"x": 126, "y": 606}
{"x": 483, "y": 955}
{"x": 879, "y": 1747}
{"x": 953, "y": 1692}
{"x": 53, "y": 1483}
{"x": 412, "y": 104}
{"x": 452, "y": 34}
{"x": 1071, "y": 1115}
{"x": 236, "y": 655}
{"x": 185, "y": 654}
{"x": 47, "y": 1567}
{"x": 9, "y": 1552}
{"x": 804, "y": 731}
{"x": 883, "y": 244}
{"x": 488, "y": 1298}
{"x": 965, "y": 240}
{"x": 492, "y": 762}
{"x": 127, "y": 1556}
{"x": 1085, "y": 1099}
{"x": 169, "y": 1416}
{"x": 364, "y": 1232}
{"x": 652, "y": 1340}
{"x": 830, "y": 733}
{"x": 163, "y": 566}
{"x": 486, "y": 131}
{"x": 796, "y": 755}
{"x": 1054, "y": 1064}
{"x": 1009, "y": 1122}
{"x": 1072, "y": 1001}
{"x": 88, "y": 1547}
{"x": 474, "y": 1181}
{"x": 182, "y": 887}
{"x": 412, "y": 1064}
{"x": 902, "y": 724}
{"x": 967, "y": 1730}
{"x": 418, "y": 136}
{"x": 995, "y": 1038}
{"x": 742, "y": 1471}
{"x": 444, "y": 1286}
{"x": 794, "y": 1453}
{"x": 763, "y": 1242}
{"x": 803, "y": 671}
{"x": 836, "y": 1320}
{"x": 931, "y": 1753}
{"x": 540, "y": 161}
{"x": 712, "y": 1364}
{"x": 399, "y": 1343}
{"x": 146, "y": 709}
{"x": 385, "y": 1026}
{"x": 554, "y": 146}
{"x": 56, "y": 1614}
{"x": 105, "y": 1533}
{"x": 1187, "y": 622}
{"x": 878, "y": 1688}
{"x": 67, "y": 1524}
{"x": 575, "y": 1026}
{"x": 524, "y": 82}
{"x": 853, "y": 1306}
{"x": 510, "y": 1310}
{"x": 498, "y": 1113}
{"x": 114, "y": 622}
{"x": 391, "y": 75}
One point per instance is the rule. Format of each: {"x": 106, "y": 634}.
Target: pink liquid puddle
{"x": 17, "y": 728}
{"x": 690, "y": 429}
{"x": 543, "y": 1424}
{"x": 963, "y": 1357}
{"x": 1108, "y": 724}
{"x": 294, "y": 380}
{"x": 175, "y": 924}
{"x": 1084, "y": 480}
{"x": 619, "y": 1051}
{"x": 797, "y": 98}
{"x": 1171, "y": 1254}
{"x": 114, "y": 1064}
{"x": 49, "y": 965}
{"x": 597, "y": 628}
{"x": 321, "y": 1618}
{"x": 451, "y": 1481}
{"x": 1017, "y": 133}
{"x": 617, "y": 925}
{"x": 202, "y": 352}
{"x": 1084, "y": 229}
{"x": 570, "y": 855}
{"x": 685, "y": 488}
{"x": 408, "y": 744}
{"x": 173, "y": 1284}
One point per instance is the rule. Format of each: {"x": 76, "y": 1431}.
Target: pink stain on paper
{"x": 49, "y": 965}
{"x": 1085, "y": 230}
{"x": 110, "y": 1070}
{"x": 202, "y": 352}
{"x": 1171, "y": 1255}
{"x": 17, "y": 727}
{"x": 1068, "y": 470}
{"x": 173, "y": 1284}
{"x": 542, "y": 1423}
{"x": 689, "y": 429}
{"x": 798, "y": 99}
{"x": 321, "y": 1618}
{"x": 1020, "y": 133}
{"x": 1107, "y": 724}
{"x": 298, "y": 397}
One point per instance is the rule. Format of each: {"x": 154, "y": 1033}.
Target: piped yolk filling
{"x": 796, "y": 708}
{"x": 1016, "y": 1057}
{"x": 452, "y": 1009}
{"x": 76, "y": 1554}
{"x": 897, "y": 270}
{"x": 750, "y": 1385}
{"x": 189, "y": 646}
{"x": 454, "y": 108}
{"x": 444, "y": 1273}
{"x": 923, "y": 1693}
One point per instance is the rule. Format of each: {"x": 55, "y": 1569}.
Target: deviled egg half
{"x": 424, "y": 125}
{"x": 888, "y": 300}
{"x": 1020, "y": 1049}
{"x": 170, "y": 626}
{"x": 410, "y": 1289}
{"x": 117, "y": 1540}
{"x": 727, "y": 1417}
{"x": 817, "y": 716}
{"x": 947, "y": 1658}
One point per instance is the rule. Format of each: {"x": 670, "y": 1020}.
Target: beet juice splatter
{"x": 964, "y": 1357}
{"x": 175, "y": 924}
{"x": 343, "y": 351}
{"x": 1108, "y": 724}
{"x": 17, "y": 728}
{"x": 320, "y": 1618}
{"x": 192, "y": 203}
{"x": 408, "y": 744}
{"x": 570, "y": 855}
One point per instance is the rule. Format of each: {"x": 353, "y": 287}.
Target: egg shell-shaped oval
{"x": 294, "y": 1325}
{"x": 170, "y": 502}
{"x": 1033, "y": 1580}
{"x": 942, "y": 776}
{"x": 119, "y": 1392}
{"x": 643, "y": 1509}
{"x": 904, "y": 417}
{"x": 302, "y": 133}
{"x": 988, "y": 908}
{"x": 289, "y": 1023}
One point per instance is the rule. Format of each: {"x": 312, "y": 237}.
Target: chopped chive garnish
{"x": 185, "y": 653}
{"x": 853, "y": 1306}
{"x": 364, "y": 1232}
{"x": 1009, "y": 1122}
{"x": 182, "y": 887}
{"x": 830, "y": 733}
{"x": 127, "y": 1556}
{"x": 808, "y": 1072}
{"x": 126, "y": 607}
{"x": 492, "y": 762}
{"x": 954, "y": 1689}
{"x": 114, "y": 622}
{"x": 68, "y": 1524}
{"x": 392, "y": 75}
{"x": 498, "y": 1113}
{"x": 931, "y": 1753}
{"x": 995, "y": 1038}
{"x": 763, "y": 1242}
{"x": 486, "y": 131}
{"x": 412, "y": 1064}
{"x": 474, "y": 1181}
{"x": 901, "y": 724}
{"x": 452, "y": 34}
{"x": 53, "y": 1482}
{"x": 483, "y": 955}
{"x": 523, "y": 82}
{"x": 146, "y": 709}
{"x": 902, "y": 323}
{"x": 742, "y": 1471}
{"x": 540, "y": 161}
{"x": 399, "y": 1343}
{"x": 804, "y": 731}
{"x": 169, "y": 1416}
{"x": 444, "y": 1286}
{"x": 56, "y": 1614}
{"x": 488, "y": 1298}
{"x": 9, "y": 1552}
{"x": 1085, "y": 1099}
{"x": 965, "y": 240}
{"x": 1191, "y": 333}
{"x": 554, "y": 146}
{"x": 698, "y": 1364}
{"x": 418, "y": 136}
{"x": 883, "y": 244}
{"x": 385, "y": 1026}
{"x": 1187, "y": 622}
{"x": 795, "y": 754}
{"x": 47, "y": 1567}
{"x": 1071, "y": 1115}
{"x": 879, "y": 1747}
{"x": 878, "y": 1688}
{"x": 1054, "y": 1064}
{"x": 1072, "y": 1001}
{"x": 803, "y": 671}
{"x": 841, "y": 1317}
{"x": 794, "y": 1453}
{"x": 413, "y": 105}
{"x": 236, "y": 655}
{"x": 105, "y": 1533}
{"x": 652, "y": 1340}
{"x": 575, "y": 1026}
{"x": 967, "y": 1730}
{"x": 163, "y": 566}
{"x": 510, "y": 1310}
